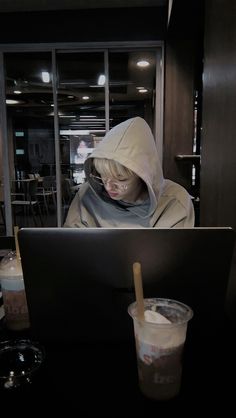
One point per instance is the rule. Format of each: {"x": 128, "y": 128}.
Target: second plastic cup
{"x": 13, "y": 292}
{"x": 159, "y": 347}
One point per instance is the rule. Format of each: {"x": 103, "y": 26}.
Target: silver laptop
{"x": 79, "y": 282}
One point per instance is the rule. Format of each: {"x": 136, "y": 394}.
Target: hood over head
{"x": 131, "y": 143}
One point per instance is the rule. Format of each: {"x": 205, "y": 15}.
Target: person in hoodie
{"x": 125, "y": 186}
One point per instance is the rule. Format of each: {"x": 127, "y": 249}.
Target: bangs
{"x": 111, "y": 168}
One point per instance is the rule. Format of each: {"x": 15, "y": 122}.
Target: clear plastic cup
{"x": 13, "y": 292}
{"x": 159, "y": 347}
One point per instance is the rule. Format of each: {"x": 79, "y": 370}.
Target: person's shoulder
{"x": 82, "y": 188}
{"x": 176, "y": 191}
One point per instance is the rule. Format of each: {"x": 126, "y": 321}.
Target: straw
{"x": 16, "y": 229}
{"x": 138, "y": 290}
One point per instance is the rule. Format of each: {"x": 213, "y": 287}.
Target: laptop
{"x": 79, "y": 282}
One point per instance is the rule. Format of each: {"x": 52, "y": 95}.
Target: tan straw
{"x": 138, "y": 290}
{"x": 16, "y": 230}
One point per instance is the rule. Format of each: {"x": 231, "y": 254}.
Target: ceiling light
{"x": 143, "y": 63}
{"x": 85, "y": 97}
{"x": 17, "y": 91}
{"x": 88, "y": 116}
{"x": 67, "y": 116}
{"x": 74, "y": 132}
{"x": 10, "y": 101}
{"x": 45, "y": 77}
{"x": 101, "y": 80}
{"x": 142, "y": 90}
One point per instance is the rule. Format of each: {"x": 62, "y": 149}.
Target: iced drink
{"x": 13, "y": 292}
{"x": 159, "y": 341}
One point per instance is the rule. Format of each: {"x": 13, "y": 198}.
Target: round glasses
{"x": 121, "y": 185}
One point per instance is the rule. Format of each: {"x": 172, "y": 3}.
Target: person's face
{"x": 82, "y": 144}
{"x": 126, "y": 189}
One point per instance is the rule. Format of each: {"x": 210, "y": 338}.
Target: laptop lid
{"x": 79, "y": 282}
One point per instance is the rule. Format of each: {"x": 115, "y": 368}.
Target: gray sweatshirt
{"x": 131, "y": 143}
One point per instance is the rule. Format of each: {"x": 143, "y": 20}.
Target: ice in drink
{"x": 13, "y": 292}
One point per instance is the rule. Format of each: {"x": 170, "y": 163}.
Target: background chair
{"x": 2, "y": 209}
{"x": 48, "y": 190}
{"x": 29, "y": 202}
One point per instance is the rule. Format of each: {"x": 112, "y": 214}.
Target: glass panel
{"x": 30, "y": 127}
{"x": 81, "y": 113}
{"x": 132, "y": 86}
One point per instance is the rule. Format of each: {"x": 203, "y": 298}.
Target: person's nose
{"x": 110, "y": 185}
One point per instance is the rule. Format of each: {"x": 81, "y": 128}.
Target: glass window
{"x": 95, "y": 90}
{"x": 30, "y": 126}
{"x": 132, "y": 85}
{"x": 82, "y": 111}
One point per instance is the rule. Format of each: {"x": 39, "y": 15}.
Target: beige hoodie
{"x": 131, "y": 143}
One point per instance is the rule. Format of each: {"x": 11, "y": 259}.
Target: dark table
{"x": 100, "y": 380}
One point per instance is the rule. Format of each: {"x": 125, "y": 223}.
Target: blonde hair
{"x": 111, "y": 168}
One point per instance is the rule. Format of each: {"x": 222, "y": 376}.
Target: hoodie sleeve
{"x": 188, "y": 217}
{"x": 175, "y": 208}
{"x": 73, "y": 219}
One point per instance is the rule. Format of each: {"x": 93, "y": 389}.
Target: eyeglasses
{"x": 122, "y": 185}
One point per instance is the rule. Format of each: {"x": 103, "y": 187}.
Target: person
{"x": 125, "y": 185}
{"x": 81, "y": 153}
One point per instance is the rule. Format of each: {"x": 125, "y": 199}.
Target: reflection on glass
{"x": 31, "y": 136}
{"x": 132, "y": 86}
{"x": 81, "y": 80}
{"x": 82, "y": 116}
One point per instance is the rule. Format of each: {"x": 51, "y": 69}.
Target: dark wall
{"x": 179, "y": 105}
{"x": 218, "y": 173}
{"x": 94, "y": 25}
{"x": 183, "y": 71}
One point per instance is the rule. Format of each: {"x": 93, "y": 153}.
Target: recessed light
{"x": 143, "y": 63}
{"x": 85, "y": 97}
{"x": 17, "y": 92}
{"x": 142, "y": 90}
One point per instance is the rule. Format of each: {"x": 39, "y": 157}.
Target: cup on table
{"x": 159, "y": 347}
{"x": 13, "y": 293}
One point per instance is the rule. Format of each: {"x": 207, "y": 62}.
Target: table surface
{"x": 100, "y": 379}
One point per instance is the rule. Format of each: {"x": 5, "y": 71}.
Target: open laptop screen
{"x": 79, "y": 282}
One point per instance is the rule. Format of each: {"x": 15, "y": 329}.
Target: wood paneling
{"x": 179, "y": 105}
{"x": 218, "y": 168}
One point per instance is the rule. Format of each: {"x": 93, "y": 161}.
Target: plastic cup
{"x": 13, "y": 292}
{"x": 159, "y": 347}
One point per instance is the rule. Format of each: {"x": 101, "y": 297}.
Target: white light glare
{"x": 143, "y": 63}
{"x": 142, "y": 90}
{"x": 45, "y": 77}
{"x": 101, "y": 80}
{"x": 11, "y": 101}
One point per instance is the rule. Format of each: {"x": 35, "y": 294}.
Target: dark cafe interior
{"x": 69, "y": 72}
